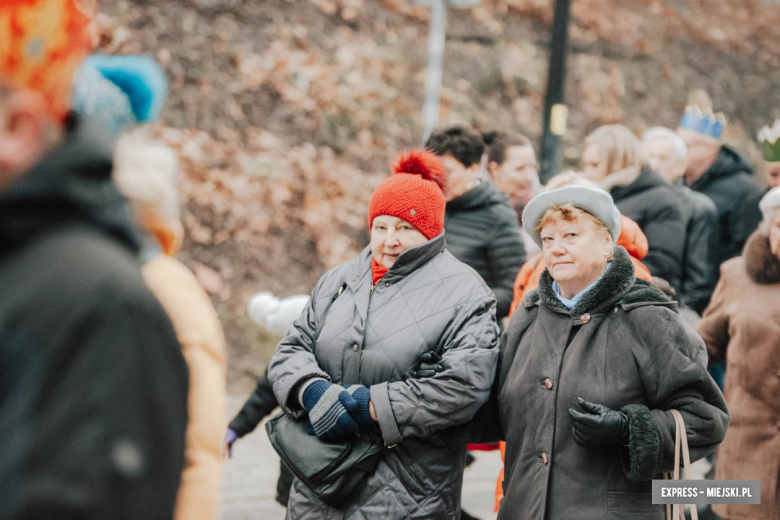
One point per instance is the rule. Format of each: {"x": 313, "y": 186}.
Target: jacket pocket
{"x": 632, "y": 506}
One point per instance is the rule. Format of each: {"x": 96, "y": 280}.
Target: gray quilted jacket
{"x": 427, "y": 301}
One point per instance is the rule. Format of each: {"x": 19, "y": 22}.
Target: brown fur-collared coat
{"x": 742, "y": 325}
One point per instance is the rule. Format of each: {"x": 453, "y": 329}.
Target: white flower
{"x": 770, "y": 135}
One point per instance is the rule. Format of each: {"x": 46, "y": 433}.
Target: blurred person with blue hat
{"x": 93, "y": 385}
{"x": 720, "y": 172}
{"x": 121, "y": 93}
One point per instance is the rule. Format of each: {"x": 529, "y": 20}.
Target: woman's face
{"x": 592, "y": 165}
{"x": 774, "y": 234}
{"x": 773, "y": 174}
{"x": 391, "y": 236}
{"x": 459, "y": 178}
{"x": 575, "y": 253}
{"x": 517, "y": 175}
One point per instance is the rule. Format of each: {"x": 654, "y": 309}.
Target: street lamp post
{"x": 433, "y": 74}
{"x": 555, "y": 111}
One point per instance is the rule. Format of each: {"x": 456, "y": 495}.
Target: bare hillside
{"x": 287, "y": 112}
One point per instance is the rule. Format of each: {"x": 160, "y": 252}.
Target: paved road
{"x": 249, "y": 479}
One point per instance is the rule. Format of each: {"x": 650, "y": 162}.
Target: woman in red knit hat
{"x": 349, "y": 361}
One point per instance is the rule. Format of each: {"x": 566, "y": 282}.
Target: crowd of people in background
{"x": 559, "y": 322}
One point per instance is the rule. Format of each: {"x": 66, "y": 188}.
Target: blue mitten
{"x": 329, "y": 409}
{"x": 362, "y": 396}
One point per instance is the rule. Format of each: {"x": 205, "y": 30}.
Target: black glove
{"x": 600, "y": 425}
{"x": 430, "y": 365}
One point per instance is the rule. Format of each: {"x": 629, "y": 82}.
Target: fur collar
{"x": 617, "y": 285}
{"x": 762, "y": 266}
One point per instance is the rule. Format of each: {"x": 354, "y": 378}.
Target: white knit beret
{"x": 769, "y": 203}
{"x": 595, "y": 201}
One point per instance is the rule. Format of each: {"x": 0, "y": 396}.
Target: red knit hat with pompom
{"x": 414, "y": 193}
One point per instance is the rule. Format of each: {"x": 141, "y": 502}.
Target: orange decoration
{"x": 42, "y": 43}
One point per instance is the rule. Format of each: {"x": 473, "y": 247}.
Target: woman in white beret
{"x": 590, "y": 366}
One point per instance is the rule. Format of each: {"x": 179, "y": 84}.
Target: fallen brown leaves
{"x": 286, "y": 113}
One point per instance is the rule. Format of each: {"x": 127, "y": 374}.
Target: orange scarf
{"x": 377, "y": 270}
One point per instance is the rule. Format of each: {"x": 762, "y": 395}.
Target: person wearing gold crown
{"x": 721, "y": 173}
{"x": 769, "y": 137}
{"x": 93, "y": 384}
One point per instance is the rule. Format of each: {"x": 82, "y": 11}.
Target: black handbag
{"x": 332, "y": 470}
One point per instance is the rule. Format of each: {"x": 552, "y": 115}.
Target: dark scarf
{"x": 762, "y": 266}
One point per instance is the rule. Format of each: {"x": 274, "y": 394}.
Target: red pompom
{"x": 423, "y": 163}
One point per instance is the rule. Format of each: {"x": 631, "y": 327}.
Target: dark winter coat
{"x": 93, "y": 385}
{"x": 699, "y": 272}
{"x": 624, "y": 346}
{"x": 730, "y": 184}
{"x": 259, "y": 405}
{"x": 742, "y": 327}
{"x": 428, "y": 300}
{"x": 653, "y": 203}
{"x": 483, "y": 232}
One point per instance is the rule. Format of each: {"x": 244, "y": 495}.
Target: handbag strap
{"x": 681, "y": 446}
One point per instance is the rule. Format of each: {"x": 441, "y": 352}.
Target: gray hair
{"x": 680, "y": 148}
{"x": 147, "y": 173}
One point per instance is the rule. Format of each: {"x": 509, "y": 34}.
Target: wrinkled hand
{"x": 599, "y": 425}
{"x": 430, "y": 365}
{"x": 230, "y": 437}
{"x": 329, "y": 406}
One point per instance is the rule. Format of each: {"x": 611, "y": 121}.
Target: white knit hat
{"x": 595, "y": 201}
{"x": 770, "y": 202}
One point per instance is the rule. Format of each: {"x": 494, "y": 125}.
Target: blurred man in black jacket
{"x": 481, "y": 227}
{"x": 93, "y": 385}
{"x": 721, "y": 173}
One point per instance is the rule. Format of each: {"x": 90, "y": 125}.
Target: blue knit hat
{"x": 120, "y": 91}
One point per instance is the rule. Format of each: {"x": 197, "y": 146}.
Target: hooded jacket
{"x": 624, "y": 346}
{"x": 374, "y": 336}
{"x": 652, "y": 203}
{"x": 741, "y": 326}
{"x": 93, "y": 385}
{"x": 483, "y": 232}
{"x": 730, "y": 184}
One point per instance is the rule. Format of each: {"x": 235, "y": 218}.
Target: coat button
{"x": 544, "y": 458}
{"x": 355, "y": 347}
{"x": 585, "y": 318}
{"x": 548, "y": 383}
